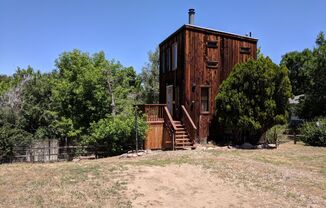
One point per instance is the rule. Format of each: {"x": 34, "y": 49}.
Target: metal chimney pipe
{"x": 191, "y": 13}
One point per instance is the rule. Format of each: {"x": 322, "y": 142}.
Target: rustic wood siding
{"x": 173, "y": 77}
{"x": 196, "y": 69}
{"x": 154, "y": 138}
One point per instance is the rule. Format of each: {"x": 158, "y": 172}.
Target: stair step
{"x": 183, "y": 148}
{"x": 181, "y": 132}
{"x": 180, "y": 128}
{"x": 181, "y": 136}
{"x": 178, "y": 143}
{"x": 182, "y": 142}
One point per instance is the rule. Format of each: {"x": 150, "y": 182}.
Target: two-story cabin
{"x": 193, "y": 63}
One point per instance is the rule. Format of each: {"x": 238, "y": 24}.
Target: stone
{"x": 125, "y": 155}
{"x": 76, "y": 160}
{"x": 247, "y": 145}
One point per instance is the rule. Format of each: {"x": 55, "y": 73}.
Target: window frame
{"x": 174, "y": 64}
{"x": 212, "y": 44}
{"x": 208, "y": 87}
{"x": 212, "y": 64}
{"x": 168, "y": 57}
{"x": 163, "y": 62}
{"x": 245, "y": 50}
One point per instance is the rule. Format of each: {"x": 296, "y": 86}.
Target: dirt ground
{"x": 290, "y": 176}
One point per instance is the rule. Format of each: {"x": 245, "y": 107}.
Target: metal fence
{"x": 51, "y": 153}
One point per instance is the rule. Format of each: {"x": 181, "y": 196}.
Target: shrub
{"x": 116, "y": 132}
{"x": 253, "y": 98}
{"x": 11, "y": 137}
{"x": 314, "y": 133}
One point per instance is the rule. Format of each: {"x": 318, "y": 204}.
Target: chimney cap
{"x": 191, "y": 11}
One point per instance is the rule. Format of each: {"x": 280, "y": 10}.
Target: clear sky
{"x": 35, "y": 32}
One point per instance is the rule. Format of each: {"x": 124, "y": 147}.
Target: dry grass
{"x": 290, "y": 176}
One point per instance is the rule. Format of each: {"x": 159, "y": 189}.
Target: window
{"x": 168, "y": 58}
{"x": 175, "y": 56}
{"x": 163, "y": 62}
{"x": 211, "y": 44}
{"x": 245, "y": 50}
{"x": 212, "y": 64}
{"x": 204, "y": 100}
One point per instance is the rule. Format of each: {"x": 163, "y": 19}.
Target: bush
{"x": 253, "y": 98}
{"x": 276, "y": 131}
{"x": 11, "y": 137}
{"x": 314, "y": 133}
{"x": 117, "y": 133}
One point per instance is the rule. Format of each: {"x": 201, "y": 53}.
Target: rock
{"x": 247, "y": 145}
{"x": 76, "y": 160}
{"x": 140, "y": 153}
{"x": 260, "y": 146}
{"x": 125, "y": 155}
{"x": 271, "y": 146}
{"x": 148, "y": 151}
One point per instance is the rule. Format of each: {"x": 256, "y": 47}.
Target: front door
{"x": 169, "y": 98}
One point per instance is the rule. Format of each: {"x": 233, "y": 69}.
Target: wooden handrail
{"x": 169, "y": 123}
{"x": 189, "y": 124}
{"x": 170, "y": 118}
{"x": 188, "y": 117}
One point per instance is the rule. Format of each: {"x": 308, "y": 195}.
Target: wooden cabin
{"x": 194, "y": 61}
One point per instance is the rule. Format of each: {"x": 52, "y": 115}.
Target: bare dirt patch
{"x": 290, "y": 176}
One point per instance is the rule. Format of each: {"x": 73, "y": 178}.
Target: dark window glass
{"x": 204, "y": 99}
{"x": 212, "y": 64}
{"x": 211, "y": 44}
{"x": 245, "y": 50}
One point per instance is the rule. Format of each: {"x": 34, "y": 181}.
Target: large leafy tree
{"x": 79, "y": 92}
{"x": 150, "y": 78}
{"x": 87, "y": 99}
{"x": 314, "y": 104}
{"x": 253, "y": 98}
{"x": 299, "y": 64}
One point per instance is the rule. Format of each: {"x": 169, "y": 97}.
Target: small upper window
{"x": 245, "y": 50}
{"x": 212, "y": 64}
{"x": 211, "y": 44}
{"x": 174, "y": 56}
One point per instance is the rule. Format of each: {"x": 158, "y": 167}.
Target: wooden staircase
{"x": 182, "y": 139}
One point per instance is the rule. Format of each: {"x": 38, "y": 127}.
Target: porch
{"x": 166, "y": 133}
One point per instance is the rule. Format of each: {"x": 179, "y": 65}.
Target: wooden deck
{"x": 166, "y": 133}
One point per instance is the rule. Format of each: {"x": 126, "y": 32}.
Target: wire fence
{"x": 53, "y": 153}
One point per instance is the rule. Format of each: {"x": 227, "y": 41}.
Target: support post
{"x": 136, "y": 129}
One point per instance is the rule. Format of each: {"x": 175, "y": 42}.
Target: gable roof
{"x": 211, "y": 31}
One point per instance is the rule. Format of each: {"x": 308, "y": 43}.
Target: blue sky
{"x": 35, "y": 32}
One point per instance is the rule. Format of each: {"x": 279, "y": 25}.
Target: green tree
{"x": 315, "y": 97}
{"x": 150, "y": 78}
{"x": 79, "y": 92}
{"x": 36, "y": 114}
{"x": 253, "y": 98}
{"x": 299, "y": 64}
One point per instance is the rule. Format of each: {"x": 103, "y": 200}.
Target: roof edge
{"x": 205, "y": 29}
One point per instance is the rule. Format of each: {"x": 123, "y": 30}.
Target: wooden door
{"x": 169, "y": 98}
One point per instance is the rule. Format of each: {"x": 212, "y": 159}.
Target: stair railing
{"x": 189, "y": 124}
{"x": 169, "y": 123}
